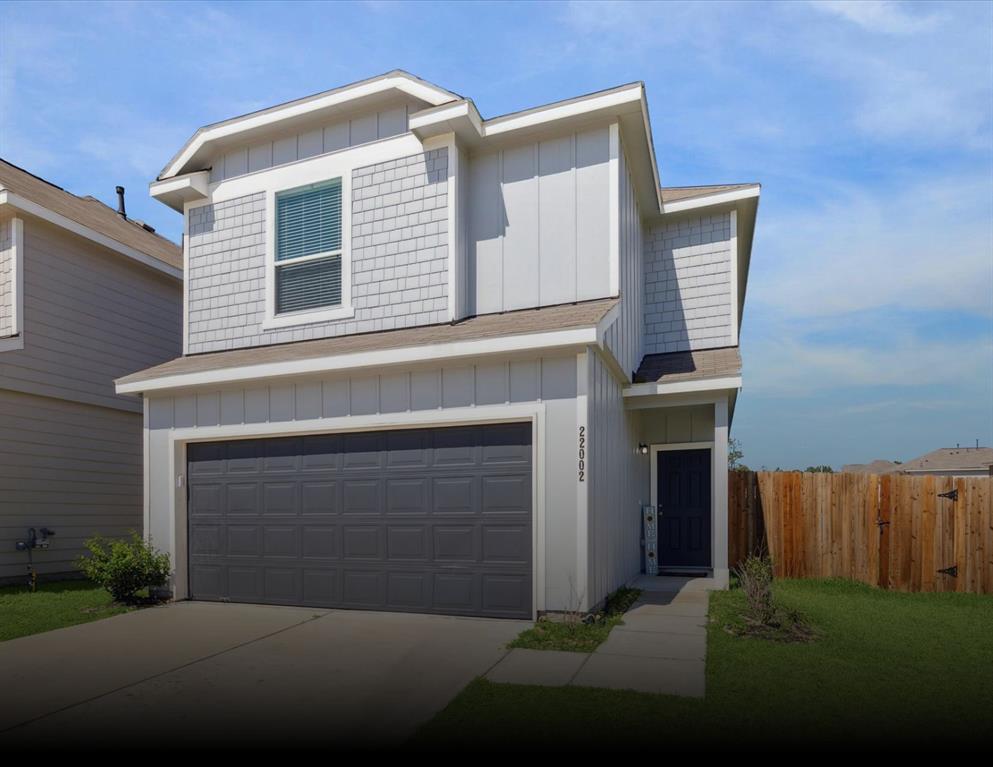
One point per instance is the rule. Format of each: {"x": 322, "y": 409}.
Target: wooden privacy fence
{"x": 893, "y": 531}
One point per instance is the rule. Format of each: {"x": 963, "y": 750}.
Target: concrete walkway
{"x": 661, "y": 647}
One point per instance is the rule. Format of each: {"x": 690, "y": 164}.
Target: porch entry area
{"x": 683, "y": 494}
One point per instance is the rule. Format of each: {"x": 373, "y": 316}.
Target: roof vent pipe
{"x": 120, "y": 202}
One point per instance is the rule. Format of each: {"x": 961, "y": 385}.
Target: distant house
{"x": 86, "y": 295}
{"x": 952, "y": 462}
{"x": 878, "y": 466}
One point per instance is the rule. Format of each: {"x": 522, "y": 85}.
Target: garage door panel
{"x": 319, "y": 498}
{"x": 320, "y": 542}
{"x": 426, "y": 520}
{"x": 279, "y": 498}
{"x": 408, "y": 496}
{"x": 362, "y": 542}
{"x": 362, "y": 496}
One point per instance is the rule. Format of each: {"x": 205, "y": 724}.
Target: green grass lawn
{"x": 575, "y": 636}
{"x": 888, "y": 670}
{"x": 54, "y": 605}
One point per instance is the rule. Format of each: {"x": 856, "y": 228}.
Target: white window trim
{"x": 15, "y": 340}
{"x": 341, "y": 311}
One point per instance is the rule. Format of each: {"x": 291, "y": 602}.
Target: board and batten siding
{"x": 69, "y": 466}
{"x": 321, "y": 139}
{"x": 688, "y": 290}
{"x": 552, "y": 381}
{"x": 618, "y": 479}
{"x": 539, "y": 223}
{"x": 626, "y": 336}
{"x": 6, "y": 277}
{"x": 399, "y": 258}
{"x": 90, "y": 316}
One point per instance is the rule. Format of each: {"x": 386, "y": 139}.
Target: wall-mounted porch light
{"x": 643, "y": 448}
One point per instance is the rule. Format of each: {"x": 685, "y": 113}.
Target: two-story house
{"x": 86, "y": 295}
{"x": 440, "y": 363}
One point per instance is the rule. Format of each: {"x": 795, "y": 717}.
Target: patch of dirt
{"x": 786, "y": 626}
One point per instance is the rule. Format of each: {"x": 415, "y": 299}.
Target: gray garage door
{"x": 419, "y": 520}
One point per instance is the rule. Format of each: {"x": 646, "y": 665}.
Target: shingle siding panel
{"x": 399, "y": 252}
{"x": 688, "y": 285}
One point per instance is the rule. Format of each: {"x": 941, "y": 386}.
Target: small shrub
{"x": 124, "y": 567}
{"x": 755, "y": 579}
{"x": 762, "y": 617}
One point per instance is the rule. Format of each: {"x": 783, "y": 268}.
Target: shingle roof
{"x": 562, "y": 317}
{"x": 689, "y": 366}
{"x": 89, "y": 212}
{"x": 674, "y": 193}
{"x": 952, "y": 459}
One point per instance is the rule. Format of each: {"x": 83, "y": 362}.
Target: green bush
{"x": 124, "y": 567}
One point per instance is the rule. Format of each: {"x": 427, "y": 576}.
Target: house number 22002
{"x": 582, "y": 453}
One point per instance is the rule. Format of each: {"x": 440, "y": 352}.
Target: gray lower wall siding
{"x": 688, "y": 284}
{"x": 399, "y": 253}
{"x": 551, "y": 381}
{"x": 618, "y": 479}
{"x": 72, "y": 467}
{"x": 6, "y": 277}
{"x": 90, "y": 316}
{"x": 538, "y": 223}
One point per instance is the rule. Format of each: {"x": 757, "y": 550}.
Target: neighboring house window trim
{"x": 342, "y": 310}
{"x": 15, "y": 339}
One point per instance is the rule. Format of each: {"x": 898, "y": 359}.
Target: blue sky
{"x": 868, "y": 329}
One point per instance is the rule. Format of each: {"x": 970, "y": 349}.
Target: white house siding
{"x": 625, "y": 337}
{"x": 90, "y": 316}
{"x": 6, "y": 277}
{"x": 72, "y": 467}
{"x": 618, "y": 480}
{"x": 688, "y": 291}
{"x": 450, "y": 391}
{"x": 399, "y": 256}
{"x": 314, "y": 141}
{"x": 539, "y": 223}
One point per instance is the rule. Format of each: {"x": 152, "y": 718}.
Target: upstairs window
{"x": 308, "y": 248}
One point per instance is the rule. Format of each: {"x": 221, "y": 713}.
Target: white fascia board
{"x": 27, "y": 206}
{"x": 405, "y": 84}
{"x": 575, "y": 338}
{"x": 683, "y": 387}
{"x": 709, "y": 200}
{"x": 461, "y": 118}
{"x": 619, "y": 97}
{"x": 178, "y": 190}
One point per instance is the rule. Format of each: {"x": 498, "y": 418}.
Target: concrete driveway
{"x": 195, "y": 673}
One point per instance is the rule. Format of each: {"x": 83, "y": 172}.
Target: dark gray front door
{"x": 416, "y": 520}
{"x": 684, "y": 508}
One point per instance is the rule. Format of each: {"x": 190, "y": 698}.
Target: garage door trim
{"x": 533, "y": 413}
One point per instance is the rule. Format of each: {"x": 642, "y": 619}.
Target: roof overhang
{"x": 360, "y": 95}
{"x": 177, "y": 191}
{"x": 625, "y": 104}
{"x": 18, "y": 202}
{"x": 560, "y": 340}
{"x": 696, "y": 386}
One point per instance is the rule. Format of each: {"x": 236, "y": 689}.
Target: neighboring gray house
{"x": 440, "y": 363}
{"x": 952, "y": 462}
{"x": 85, "y": 297}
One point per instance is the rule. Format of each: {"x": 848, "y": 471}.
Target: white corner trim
{"x": 302, "y": 107}
{"x": 735, "y": 309}
{"x": 683, "y": 387}
{"x": 454, "y": 231}
{"x": 614, "y": 210}
{"x": 707, "y": 201}
{"x": 9, "y": 198}
{"x": 576, "y": 338}
{"x": 15, "y": 340}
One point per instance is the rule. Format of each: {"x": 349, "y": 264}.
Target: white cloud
{"x": 878, "y": 15}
